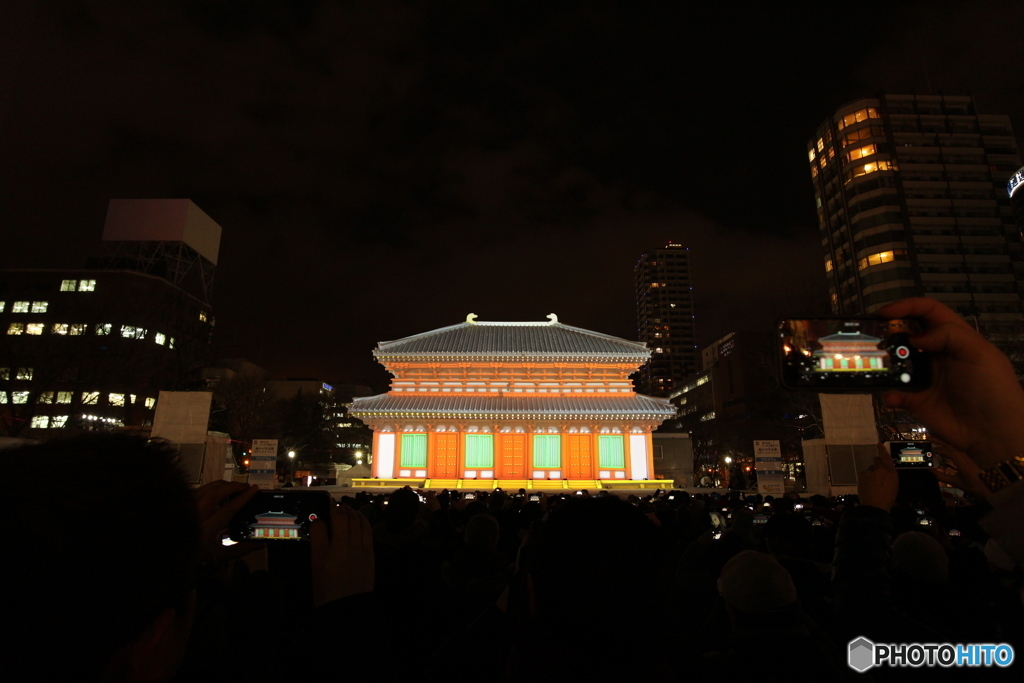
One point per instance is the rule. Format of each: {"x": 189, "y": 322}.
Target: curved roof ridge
{"x": 527, "y": 338}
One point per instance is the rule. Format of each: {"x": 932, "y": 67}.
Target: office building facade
{"x": 911, "y": 199}
{"x": 92, "y": 348}
{"x": 666, "y": 320}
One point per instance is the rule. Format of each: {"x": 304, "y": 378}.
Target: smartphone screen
{"x": 911, "y": 454}
{"x": 852, "y": 353}
{"x": 535, "y": 497}
{"x": 280, "y": 516}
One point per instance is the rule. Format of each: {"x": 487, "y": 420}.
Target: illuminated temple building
{"x": 512, "y": 404}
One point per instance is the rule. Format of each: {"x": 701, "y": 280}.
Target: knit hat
{"x": 754, "y": 582}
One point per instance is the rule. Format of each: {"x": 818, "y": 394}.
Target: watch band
{"x": 1002, "y": 475}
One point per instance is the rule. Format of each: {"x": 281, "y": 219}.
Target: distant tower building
{"x": 911, "y": 198}
{"x": 665, "y": 318}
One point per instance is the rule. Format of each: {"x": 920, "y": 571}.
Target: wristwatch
{"x": 1002, "y": 475}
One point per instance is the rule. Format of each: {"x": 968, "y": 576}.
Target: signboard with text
{"x": 263, "y": 463}
{"x": 768, "y": 463}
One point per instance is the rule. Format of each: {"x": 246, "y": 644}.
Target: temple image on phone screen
{"x": 275, "y": 525}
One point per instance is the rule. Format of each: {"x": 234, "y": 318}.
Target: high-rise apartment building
{"x": 912, "y": 201}
{"x": 665, "y": 318}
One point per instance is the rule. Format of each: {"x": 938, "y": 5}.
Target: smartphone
{"x": 469, "y": 495}
{"x": 911, "y": 454}
{"x": 925, "y": 521}
{"x": 280, "y": 516}
{"x": 534, "y": 497}
{"x": 579, "y": 493}
{"x": 760, "y": 519}
{"x": 798, "y": 506}
{"x": 852, "y": 354}
{"x": 716, "y": 535}
{"x": 954, "y": 532}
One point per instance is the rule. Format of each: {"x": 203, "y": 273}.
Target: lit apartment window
{"x": 68, "y": 285}
{"x": 20, "y": 307}
{"x": 24, "y": 373}
{"x": 76, "y": 329}
{"x": 810, "y": 154}
{"x": 90, "y": 398}
{"x": 170, "y": 342}
{"x": 16, "y": 328}
{"x": 828, "y": 266}
{"x": 858, "y": 171}
{"x": 160, "y": 339}
{"x": 40, "y": 306}
{"x": 103, "y": 329}
{"x": 2, "y": 304}
{"x": 60, "y": 328}
{"x": 34, "y": 328}
{"x": 86, "y": 285}
{"x": 115, "y": 400}
{"x": 202, "y": 316}
{"x": 131, "y": 332}
{"x": 5, "y": 373}
{"x": 40, "y": 421}
{"x": 857, "y": 117}
{"x": 821, "y": 145}
{"x": 861, "y": 152}
{"x": 19, "y": 397}
{"x": 46, "y": 397}
{"x": 150, "y": 402}
{"x": 882, "y": 257}
{"x": 58, "y": 421}
{"x": 63, "y": 397}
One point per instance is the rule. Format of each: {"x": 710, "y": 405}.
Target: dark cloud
{"x": 385, "y": 168}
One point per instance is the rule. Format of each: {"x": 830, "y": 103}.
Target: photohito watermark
{"x": 864, "y": 654}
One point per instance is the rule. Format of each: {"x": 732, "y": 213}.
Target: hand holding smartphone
{"x": 852, "y": 354}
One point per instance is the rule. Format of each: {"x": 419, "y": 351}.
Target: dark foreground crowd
{"x": 116, "y": 570}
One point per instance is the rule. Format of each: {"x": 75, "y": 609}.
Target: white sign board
{"x": 263, "y": 463}
{"x": 768, "y": 463}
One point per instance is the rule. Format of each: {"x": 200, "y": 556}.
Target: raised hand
{"x": 975, "y": 403}
{"x": 341, "y": 556}
{"x": 216, "y": 511}
{"x": 878, "y": 485}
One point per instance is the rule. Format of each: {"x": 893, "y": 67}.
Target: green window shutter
{"x": 547, "y": 450}
{"x": 414, "y": 450}
{"x": 611, "y": 452}
{"x": 479, "y": 450}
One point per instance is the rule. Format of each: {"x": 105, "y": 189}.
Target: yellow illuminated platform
{"x": 516, "y": 484}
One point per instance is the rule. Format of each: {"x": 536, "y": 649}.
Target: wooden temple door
{"x": 513, "y": 456}
{"x": 580, "y": 455}
{"x": 446, "y": 457}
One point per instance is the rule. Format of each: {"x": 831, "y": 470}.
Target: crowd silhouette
{"x": 116, "y": 569}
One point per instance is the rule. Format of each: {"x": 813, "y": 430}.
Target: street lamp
{"x": 359, "y": 457}
{"x": 291, "y": 474}
{"x": 728, "y": 460}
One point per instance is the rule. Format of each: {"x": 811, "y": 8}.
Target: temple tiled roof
{"x": 507, "y": 340}
{"x": 849, "y": 336}
{"x": 634, "y": 406}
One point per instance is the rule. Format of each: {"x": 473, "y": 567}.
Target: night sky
{"x": 382, "y": 169}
